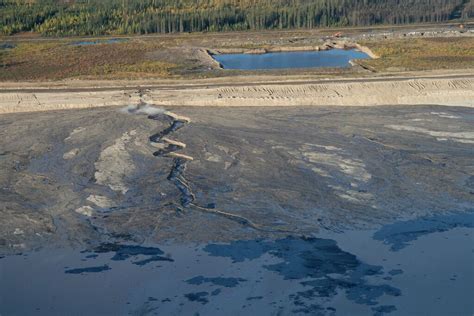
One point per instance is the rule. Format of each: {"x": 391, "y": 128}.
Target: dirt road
{"x": 441, "y": 89}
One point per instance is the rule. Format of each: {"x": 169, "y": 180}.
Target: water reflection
{"x": 306, "y": 59}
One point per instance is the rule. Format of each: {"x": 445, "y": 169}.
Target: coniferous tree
{"x": 96, "y": 17}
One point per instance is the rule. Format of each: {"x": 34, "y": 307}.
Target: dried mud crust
{"x": 304, "y": 169}
{"x": 168, "y": 148}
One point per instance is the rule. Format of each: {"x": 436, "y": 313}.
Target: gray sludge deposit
{"x": 211, "y": 211}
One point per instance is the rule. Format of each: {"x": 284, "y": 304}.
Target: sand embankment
{"x": 438, "y": 91}
{"x": 327, "y": 45}
{"x": 449, "y": 92}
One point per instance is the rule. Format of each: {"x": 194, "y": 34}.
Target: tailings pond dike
{"x": 400, "y": 91}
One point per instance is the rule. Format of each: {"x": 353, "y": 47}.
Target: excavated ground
{"x": 435, "y": 88}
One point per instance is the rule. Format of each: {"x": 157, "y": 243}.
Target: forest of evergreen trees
{"x": 100, "y": 17}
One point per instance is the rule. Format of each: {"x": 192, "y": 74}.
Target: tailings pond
{"x": 416, "y": 267}
{"x": 338, "y": 58}
{"x": 282, "y": 211}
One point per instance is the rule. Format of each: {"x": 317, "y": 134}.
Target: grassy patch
{"x": 421, "y": 54}
{"x": 179, "y": 56}
{"x": 60, "y": 60}
{"x": 143, "y": 69}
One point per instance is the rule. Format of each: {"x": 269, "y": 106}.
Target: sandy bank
{"x": 439, "y": 91}
{"x": 449, "y": 92}
{"x": 327, "y": 45}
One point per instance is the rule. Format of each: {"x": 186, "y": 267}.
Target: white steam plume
{"x": 142, "y": 109}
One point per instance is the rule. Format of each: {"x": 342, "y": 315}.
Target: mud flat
{"x": 447, "y": 90}
{"x": 79, "y": 176}
{"x": 315, "y": 210}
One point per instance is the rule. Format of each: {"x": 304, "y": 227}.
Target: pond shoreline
{"x": 328, "y": 45}
{"x": 334, "y": 58}
{"x": 210, "y": 53}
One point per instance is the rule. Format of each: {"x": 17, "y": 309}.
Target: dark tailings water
{"x": 307, "y": 59}
{"x": 421, "y": 266}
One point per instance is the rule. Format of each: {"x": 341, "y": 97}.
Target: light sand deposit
{"x": 327, "y": 45}
{"x": 393, "y": 91}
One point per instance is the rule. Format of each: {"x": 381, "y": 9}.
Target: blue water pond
{"x": 338, "y": 58}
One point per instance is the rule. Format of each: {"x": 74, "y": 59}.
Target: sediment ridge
{"x": 327, "y": 45}
{"x": 448, "y": 91}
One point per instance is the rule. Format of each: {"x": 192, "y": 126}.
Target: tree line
{"x": 104, "y": 17}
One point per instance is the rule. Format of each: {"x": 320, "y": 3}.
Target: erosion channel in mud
{"x": 167, "y": 148}
{"x": 379, "y": 201}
